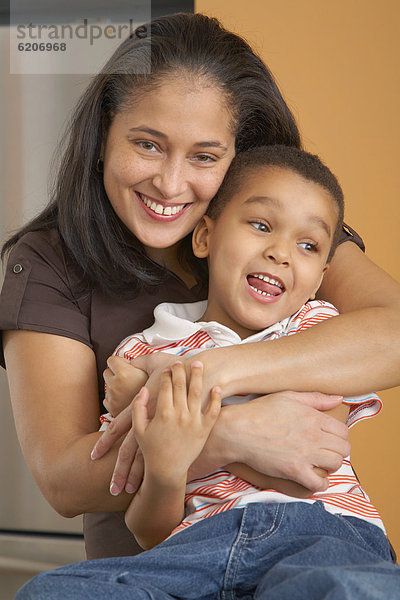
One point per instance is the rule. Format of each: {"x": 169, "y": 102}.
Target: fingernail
{"x": 129, "y": 488}
{"x": 114, "y": 489}
{"x": 217, "y": 390}
{"x": 197, "y": 363}
{"x": 93, "y": 454}
{"x": 336, "y": 396}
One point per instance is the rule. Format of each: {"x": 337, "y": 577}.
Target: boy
{"x": 268, "y": 237}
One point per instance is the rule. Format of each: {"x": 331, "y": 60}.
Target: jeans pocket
{"x": 371, "y": 536}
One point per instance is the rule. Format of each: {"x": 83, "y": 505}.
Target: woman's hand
{"x": 281, "y": 435}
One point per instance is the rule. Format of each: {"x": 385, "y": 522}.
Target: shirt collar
{"x": 173, "y": 322}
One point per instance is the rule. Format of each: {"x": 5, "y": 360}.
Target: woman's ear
{"x": 201, "y": 237}
{"x": 324, "y": 270}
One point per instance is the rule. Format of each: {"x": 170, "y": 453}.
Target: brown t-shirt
{"x": 42, "y": 292}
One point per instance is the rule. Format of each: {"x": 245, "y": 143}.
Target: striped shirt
{"x": 177, "y": 331}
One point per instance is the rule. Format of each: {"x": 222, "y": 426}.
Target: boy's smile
{"x": 267, "y": 250}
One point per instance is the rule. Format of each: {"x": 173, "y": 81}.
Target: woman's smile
{"x": 159, "y": 210}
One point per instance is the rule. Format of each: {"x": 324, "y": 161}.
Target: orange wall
{"x": 337, "y": 64}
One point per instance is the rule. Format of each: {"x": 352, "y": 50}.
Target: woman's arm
{"x": 53, "y": 386}
{"x": 353, "y": 353}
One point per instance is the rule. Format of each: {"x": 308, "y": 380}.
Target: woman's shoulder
{"x": 46, "y": 244}
{"x": 43, "y": 256}
{"x": 42, "y": 290}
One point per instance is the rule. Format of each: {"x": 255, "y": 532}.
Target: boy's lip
{"x": 160, "y": 209}
{"x": 266, "y": 283}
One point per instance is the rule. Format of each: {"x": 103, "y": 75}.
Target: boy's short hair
{"x": 309, "y": 166}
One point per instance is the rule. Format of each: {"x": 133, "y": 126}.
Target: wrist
{"x": 238, "y": 369}
{"x": 223, "y": 438}
{"x": 166, "y": 481}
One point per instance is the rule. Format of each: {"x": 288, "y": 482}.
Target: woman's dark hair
{"x": 308, "y": 166}
{"x": 192, "y": 44}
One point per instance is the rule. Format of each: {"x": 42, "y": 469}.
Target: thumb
{"x": 141, "y": 418}
{"x": 318, "y": 400}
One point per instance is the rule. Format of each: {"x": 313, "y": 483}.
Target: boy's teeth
{"x": 269, "y": 280}
{"x": 260, "y": 292}
{"x": 159, "y": 209}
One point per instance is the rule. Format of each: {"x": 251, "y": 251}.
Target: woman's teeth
{"x": 159, "y": 209}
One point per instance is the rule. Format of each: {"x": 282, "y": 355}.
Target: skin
{"x": 57, "y": 415}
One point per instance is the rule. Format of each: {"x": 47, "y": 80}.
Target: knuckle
{"x": 113, "y": 430}
{"x": 124, "y": 454}
{"x": 337, "y": 463}
{"x": 292, "y": 470}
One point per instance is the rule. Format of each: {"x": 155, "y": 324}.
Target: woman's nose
{"x": 170, "y": 180}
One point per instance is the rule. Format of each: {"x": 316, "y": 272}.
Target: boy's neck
{"x": 226, "y": 321}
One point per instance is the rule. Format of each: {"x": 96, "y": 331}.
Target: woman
{"x": 146, "y": 154}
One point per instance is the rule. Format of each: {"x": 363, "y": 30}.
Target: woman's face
{"x": 165, "y": 159}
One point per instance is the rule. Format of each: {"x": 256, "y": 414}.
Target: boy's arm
{"x": 170, "y": 442}
{"x": 286, "y": 486}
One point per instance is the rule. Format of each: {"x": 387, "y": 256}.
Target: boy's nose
{"x": 278, "y": 253}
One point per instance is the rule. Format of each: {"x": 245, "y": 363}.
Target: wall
{"x": 337, "y": 65}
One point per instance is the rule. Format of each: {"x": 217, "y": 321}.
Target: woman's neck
{"x": 168, "y": 257}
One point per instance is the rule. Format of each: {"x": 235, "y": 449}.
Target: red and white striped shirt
{"x": 177, "y": 331}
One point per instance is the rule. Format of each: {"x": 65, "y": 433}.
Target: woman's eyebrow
{"x": 211, "y": 144}
{"x": 150, "y": 131}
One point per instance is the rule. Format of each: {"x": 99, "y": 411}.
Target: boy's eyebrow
{"x": 316, "y": 220}
{"x": 205, "y": 144}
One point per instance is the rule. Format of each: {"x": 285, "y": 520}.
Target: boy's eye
{"x": 308, "y": 246}
{"x": 260, "y": 226}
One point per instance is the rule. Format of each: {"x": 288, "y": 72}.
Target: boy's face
{"x": 267, "y": 250}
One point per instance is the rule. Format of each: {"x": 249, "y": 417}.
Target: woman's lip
{"x": 262, "y": 297}
{"x": 161, "y": 216}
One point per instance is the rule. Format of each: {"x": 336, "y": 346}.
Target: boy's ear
{"x": 201, "y": 237}
{"x": 324, "y": 270}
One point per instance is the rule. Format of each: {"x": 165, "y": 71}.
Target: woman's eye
{"x": 204, "y": 158}
{"x": 148, "y": 146}
{"x": 308, "y": 246}
{"x": 260, "y": 226}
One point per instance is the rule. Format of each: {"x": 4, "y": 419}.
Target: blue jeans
{"x": 265, "y": 551}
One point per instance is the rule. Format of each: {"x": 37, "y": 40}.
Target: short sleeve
{"x": 349, "y": 235}
{"x": 362, "y": 407}
{"x": 37, "y": 294}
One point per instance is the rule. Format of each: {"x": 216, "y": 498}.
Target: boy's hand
{"x": 175, "y": 436}
{"x": 123, "y": 380}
